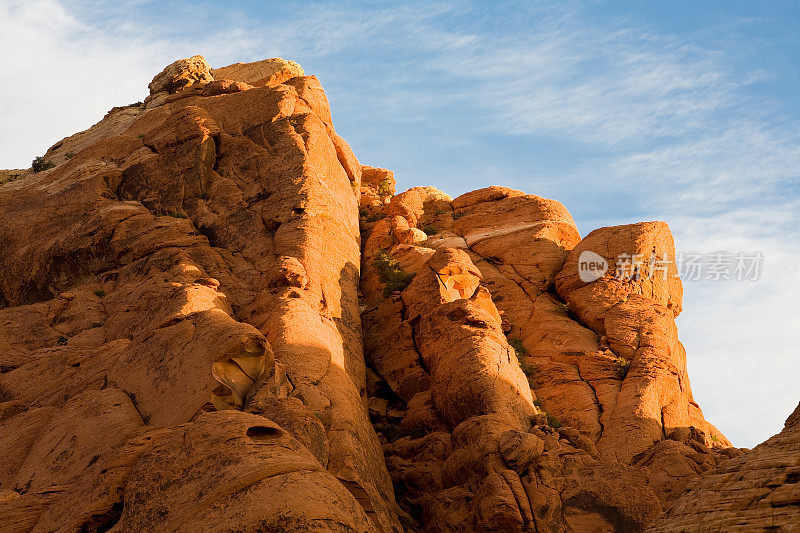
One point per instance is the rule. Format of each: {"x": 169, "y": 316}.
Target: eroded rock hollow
{"x": 213, "y": 317}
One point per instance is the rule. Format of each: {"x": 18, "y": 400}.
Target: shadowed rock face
{"x": 209, "y": 306}
{"x": 197, "y": 253}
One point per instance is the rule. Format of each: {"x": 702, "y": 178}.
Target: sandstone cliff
{"x": 757, "y": 491}
{"x": 210, "y": 306}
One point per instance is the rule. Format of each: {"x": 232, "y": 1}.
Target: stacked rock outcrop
{"x": 213, "y": 317}
{"x": 755, "y": 491}
{"x": 196, "y": 253}
{"x": 499, "y": 267}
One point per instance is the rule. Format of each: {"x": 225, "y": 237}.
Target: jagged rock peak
{"x": 194, "y": 75}
{"x": 181, "y": 74}
{"x": 192, "y": 70}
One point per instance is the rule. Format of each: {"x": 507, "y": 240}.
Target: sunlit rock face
{"x": 756, "y": 491}
{"x": 196, "y": 253}
{"x": 614, "y": 434}
{"x": 214, "y": 318}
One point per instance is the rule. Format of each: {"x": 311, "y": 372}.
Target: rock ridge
{"x": 215, "y": 318}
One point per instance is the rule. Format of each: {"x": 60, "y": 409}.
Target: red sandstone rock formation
{"x": 208, "y": 298}
{"x": 756, "y": 491}
{"x": 621, "y": 434}
{"x": 197, "y": 253}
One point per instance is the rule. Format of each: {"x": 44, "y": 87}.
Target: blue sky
{"x": 623, "y": 111}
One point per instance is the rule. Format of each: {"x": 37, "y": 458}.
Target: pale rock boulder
{"x": 641, "y": 259}
{"x": 403, "y": 233}
{"x": 527, "y": 237}
{"x": 487, "y": 194}
{"x": 181, "y": 74}
{"x": 260, "y": 73}
{"x": 413, "y": 203}
{"x": 447, "y": 275}
{"x": 235, "y": 470}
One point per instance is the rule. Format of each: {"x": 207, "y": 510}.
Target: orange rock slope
{"x": 214, "y": 318}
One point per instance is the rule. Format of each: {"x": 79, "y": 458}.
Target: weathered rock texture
{"x": 196, "y": 253}
{"x": 617, "y": 434}
{"x": 756, "y": 491}
{"x": 209, "y": 306}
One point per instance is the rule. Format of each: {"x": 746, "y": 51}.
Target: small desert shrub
{"x": 96, "y": 325}
{"x": 430, "y": 230}
{"x": 39, "y": 164}
{"x": 69, "y": 155}
{"x": 99, "y": 293}
{"x": 518, "y": 346}
{"x": 621, "y": 366}
{"x": 61, "y": 340}
{"x": 553, "y": 421}
{"x": 391, "y": 274}
{"x": 385, "y": 187}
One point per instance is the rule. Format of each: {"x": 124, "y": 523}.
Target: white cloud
{"x": 70, "y": 65}
{"x": 740, "y": 335}
{"x": 62, "y": 75}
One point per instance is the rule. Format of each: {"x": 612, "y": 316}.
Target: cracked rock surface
{"x": 213, "y": 317}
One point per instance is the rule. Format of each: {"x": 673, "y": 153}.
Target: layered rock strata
{"x": 494, "y": 289}
{"x": 209, "y": 306}
{"x": 756, "y": 491}
{"x": 197, "y": 253}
